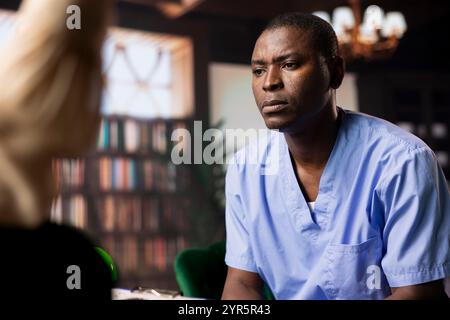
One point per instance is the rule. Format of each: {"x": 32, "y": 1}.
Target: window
{"x": 147, "y": 75}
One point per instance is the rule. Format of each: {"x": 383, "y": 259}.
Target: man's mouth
{"x": 273, "y": 106}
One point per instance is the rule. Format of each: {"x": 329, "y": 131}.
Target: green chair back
{"x": 201, "y": 272}
{"x": 109, "y": 262}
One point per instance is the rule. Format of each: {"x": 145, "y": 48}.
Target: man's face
{"x": 290, "y": 78}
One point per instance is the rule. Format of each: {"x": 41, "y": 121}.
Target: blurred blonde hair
{"x": 49, "y": 103}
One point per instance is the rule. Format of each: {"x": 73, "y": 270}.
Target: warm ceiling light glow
{"x": 374, "y": 36}
{"x": 394, "y": 25}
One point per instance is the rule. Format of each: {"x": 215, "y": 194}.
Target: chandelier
{"x": 376, "y": 36}
{"x": 175, "y": 9}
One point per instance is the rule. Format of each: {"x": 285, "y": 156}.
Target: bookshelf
{"x": 130, "y": 199}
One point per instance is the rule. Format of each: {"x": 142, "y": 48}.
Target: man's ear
{"x": 337, "y": 72}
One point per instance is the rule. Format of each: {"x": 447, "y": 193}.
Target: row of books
{"x": 144, "y": 256}
{"x": 71, "y": 211}
{"x": 69, "y": 173}
{"x": 125, "y": 213}
{"x": 130, "y": 135}
{"x": 128, "y": 174}
{"x": 122, "y": 174}
{"x": 159, "y": 253}
{"x": 136, "y": 213}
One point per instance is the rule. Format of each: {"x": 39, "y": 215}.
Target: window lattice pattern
{"x": 144, "y": 75}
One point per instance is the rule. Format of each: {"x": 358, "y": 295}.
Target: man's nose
{"x": 273, "y": 80}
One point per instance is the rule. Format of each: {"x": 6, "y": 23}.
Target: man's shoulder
{"x": 387, "y": 146}
{"x": 383, "y": 133}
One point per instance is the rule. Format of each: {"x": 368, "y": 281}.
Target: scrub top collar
{"x": 304, "y": 221}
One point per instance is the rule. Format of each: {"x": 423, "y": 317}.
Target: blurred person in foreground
{"x": 49, "y": 108}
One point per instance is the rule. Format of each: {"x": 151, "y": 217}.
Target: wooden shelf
{"x": 143, "y": 233}
{"x": 134, "y": 193}
{"x": 147, "y": 120}
{"x": 130, "y": 155}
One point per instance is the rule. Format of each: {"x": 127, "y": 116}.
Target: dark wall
{"x": 424, "y": 47}
{"x": 10, "y": 4}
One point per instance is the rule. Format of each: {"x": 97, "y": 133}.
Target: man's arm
{"x": 429, "y": 290}
{"x": 242, "y": 285}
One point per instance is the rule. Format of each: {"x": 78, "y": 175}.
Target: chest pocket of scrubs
{"x": 354, "y": 272}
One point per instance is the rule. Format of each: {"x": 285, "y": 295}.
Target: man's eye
{"x": 290, "y": 65}
{"x": 258, "y": 72}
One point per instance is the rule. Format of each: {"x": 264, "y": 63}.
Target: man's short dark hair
{"x": 321, "y": 34}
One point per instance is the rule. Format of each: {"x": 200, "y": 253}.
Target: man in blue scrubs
{"x": 358, "y": 208}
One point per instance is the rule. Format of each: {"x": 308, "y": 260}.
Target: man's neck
{"x": 311, "y": 148}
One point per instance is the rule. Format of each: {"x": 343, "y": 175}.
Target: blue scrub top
{"x": 381, "y": 218}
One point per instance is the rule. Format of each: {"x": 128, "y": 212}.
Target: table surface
{"x": 148, "y": 294}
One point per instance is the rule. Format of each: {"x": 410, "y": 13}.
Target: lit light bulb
{"x": 394, "y": 25}
{"x": 373, "y": 17}
{"x": 343, "y": 19}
